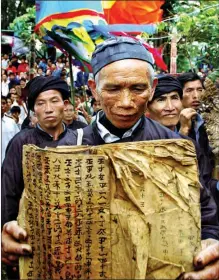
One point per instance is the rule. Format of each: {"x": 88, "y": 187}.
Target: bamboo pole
{"x": 71, "y": 80}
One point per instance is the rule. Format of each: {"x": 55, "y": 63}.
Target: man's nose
{"x": 169, "y": 105}
{"x": 125, "y": 99}
{"x": 195, "y": 94}
{"x": 48, "y": 107}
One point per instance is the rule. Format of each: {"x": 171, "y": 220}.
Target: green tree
{"x": 23, "y": 25}
{"x": 12, "y": 9}
{"x": 198, "y": 32}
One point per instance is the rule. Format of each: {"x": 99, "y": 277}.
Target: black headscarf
{"x": 167, "y": 84}
{"x": 118, "y": 48}
{"x": 41, "y": 84}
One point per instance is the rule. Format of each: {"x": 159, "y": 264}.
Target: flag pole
{"x": 71, "y": 80}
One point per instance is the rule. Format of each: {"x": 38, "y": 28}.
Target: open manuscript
{"x": 117, "y": 211}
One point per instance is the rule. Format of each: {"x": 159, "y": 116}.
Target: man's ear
{"x": 155, "y": 82}
{"x": 66, "y": 102}
{"x": 93, "y": 88}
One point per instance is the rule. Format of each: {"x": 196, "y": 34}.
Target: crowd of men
{"x": 14, "y": 94}
{"x": 130, "y": 104}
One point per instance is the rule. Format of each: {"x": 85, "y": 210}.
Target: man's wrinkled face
{"x": 48, "y": 108}
{"x": 123, "y": 89}
{"x": 192, "y": 93}
{"x": 166, "y": 109}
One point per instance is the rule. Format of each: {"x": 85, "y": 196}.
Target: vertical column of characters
{"x": 36, "y": 213}
{"x": 47, "y": 198}
{"x": 163, "y": 227}
{"x": 57, "y": 215}
{"x": 103, "y": 230}
{"x": 181, "y": 235}
{"x": 78, "y": 218}
{"x": 192, "y": 235}
{"x": 41, "y": 215}
{"x": 88, "y": 194}
{"x": 27, "y": 167}
{"x": 69, "y": 213}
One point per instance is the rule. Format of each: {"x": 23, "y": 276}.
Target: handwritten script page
{"x": 117, "y": 211}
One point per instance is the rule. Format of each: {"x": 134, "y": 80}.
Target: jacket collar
{"x": 47, "y": 135}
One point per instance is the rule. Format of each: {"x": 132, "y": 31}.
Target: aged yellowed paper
{"x": 117, "y": 211}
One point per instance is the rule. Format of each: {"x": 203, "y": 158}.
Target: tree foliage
{"x": 198, "y": 32}
{"x": 12, "y": 9}
{"x": 23, "y": 25}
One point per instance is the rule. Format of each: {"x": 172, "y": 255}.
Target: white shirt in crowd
{"x": 5, "y": 88}
{"x": 5, "y": 63}
{"x": 9, "y": 129}
{"x": 23, "y": 113}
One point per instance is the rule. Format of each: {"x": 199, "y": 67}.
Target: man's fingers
{"x": 13, "y": 229}
{"x": 192, "y": 115}
{"x": 13, "y": 247}
{"x": 209, "y": 272}
{"x": 11, "y": 234}
{"x": 207, "y": 255}
{"x": 13, "y": 258}
{"x": 8, "y": 262}
{"x": 189, "y": 115}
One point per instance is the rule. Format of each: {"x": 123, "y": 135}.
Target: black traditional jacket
{"x": 152, "y": 130}
{"x": 12, "y": 177}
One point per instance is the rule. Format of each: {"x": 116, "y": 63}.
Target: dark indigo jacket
{"x": 151, "y": 130}
{"x": 12, "y": 178}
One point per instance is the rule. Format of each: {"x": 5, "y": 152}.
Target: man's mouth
{"x": 170, "y": 115}
{"x": 196, "y": 103}
{"x": 50, "y": 118}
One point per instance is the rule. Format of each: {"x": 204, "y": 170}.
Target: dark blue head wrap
{"x": 118, "y": 48}
{"x": 41, "y": 84}
{"x": 167, "y": 84}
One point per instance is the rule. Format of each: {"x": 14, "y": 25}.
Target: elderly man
{"x": 124, "y": 84}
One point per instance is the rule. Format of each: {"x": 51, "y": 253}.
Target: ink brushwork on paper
{"x": 117, "y": 211}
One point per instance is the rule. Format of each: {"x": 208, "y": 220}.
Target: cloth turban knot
{"x": 167, "y": 84}
{"x": 41, "y": 84}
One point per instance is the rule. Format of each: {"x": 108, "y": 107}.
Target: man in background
{"x": 9, "y": 127}
{"x": 193, "y": 125}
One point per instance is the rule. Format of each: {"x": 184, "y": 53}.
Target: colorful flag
{"x": 133, "y": 12}
{"x": 70, "y": 25}
{"x": 77, "y": 26}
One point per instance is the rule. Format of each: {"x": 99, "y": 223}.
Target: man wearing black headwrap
{"x": 48, "y": 96}
{"x": 166, "y": 108}
{"x": 166, "y": 105}
{"x": 124, "y": 83}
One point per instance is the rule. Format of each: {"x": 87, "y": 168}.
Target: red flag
{"x": 133, "y": 12}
